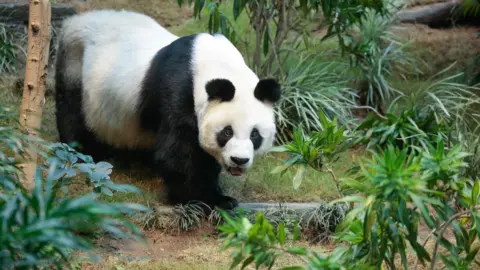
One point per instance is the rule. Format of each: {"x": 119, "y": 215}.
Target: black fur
{"x": 256, "y": 138}
{"x": 224, "y": 136}
{"x": 222, "y": 89}
{"x": 268, "y": 90}
{"x": 166, "y": 108}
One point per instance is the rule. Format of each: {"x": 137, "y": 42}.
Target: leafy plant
{"x": 317, "y": 150}
{"x": 273, "y": 21}
{"x": 8, "y": 50}
{"x": 448, "y": 99}
{"x": 396, "y": 190}
{"x": 378, "y": 56}
{"x": 39, "y": 228}
{"x": 73, "y": 164}
{"x": 261, "y": 244}
{"x": 410, "y": 129}
{"x": 310, "y": 87}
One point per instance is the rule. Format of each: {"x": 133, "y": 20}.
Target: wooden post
{"x": 35, "y": 80}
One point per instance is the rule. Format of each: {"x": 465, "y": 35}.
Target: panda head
{"x": 238, "y": 122}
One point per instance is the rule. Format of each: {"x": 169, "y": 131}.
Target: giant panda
{"x": 190, "y": 103}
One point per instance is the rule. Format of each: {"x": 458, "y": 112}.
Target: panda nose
{"x": 239, "y": 161}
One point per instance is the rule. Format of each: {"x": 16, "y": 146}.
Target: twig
{"x": 442, "y": 231}
{"x": 334, "y": 177}
{"x": 275, "y": 53}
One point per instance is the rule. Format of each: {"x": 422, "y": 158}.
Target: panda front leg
{"x": 189, "y": 173}
{"x": 185, "y": 187}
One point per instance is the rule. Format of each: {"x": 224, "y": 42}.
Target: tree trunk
{"x": 440, "y": 15}
{"x": 35, "y": 80}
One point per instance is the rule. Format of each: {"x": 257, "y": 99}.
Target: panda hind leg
{"x": 71, "y": 124}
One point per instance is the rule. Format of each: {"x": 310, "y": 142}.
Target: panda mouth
{"x": 235, "y": 171}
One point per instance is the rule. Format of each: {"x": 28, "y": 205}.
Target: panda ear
{"x": 268, "y": 90}
{"x": 222, "y": 89}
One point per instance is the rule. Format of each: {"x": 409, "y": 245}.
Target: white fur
{"x": 117, "y": 46}
{"x": 114, "y": 65}
{"x": 216, "y": 57}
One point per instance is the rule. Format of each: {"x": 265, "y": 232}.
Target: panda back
{"x": 115, "y": 48}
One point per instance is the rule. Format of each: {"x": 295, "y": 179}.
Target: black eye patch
{"x": 256, "y": 138}
{"x": 224, "y": 136}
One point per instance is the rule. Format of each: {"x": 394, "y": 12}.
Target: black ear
{"x": 268, "y": 90}
{"x": 222, "y": 89}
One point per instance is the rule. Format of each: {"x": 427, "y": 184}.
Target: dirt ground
{"x": 198, "y": 249}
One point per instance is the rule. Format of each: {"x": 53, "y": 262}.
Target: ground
{"x": 200, "y": 249}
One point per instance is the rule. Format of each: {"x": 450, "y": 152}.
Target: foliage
{"x": 410, "y": 129}
{"x": 309, "y": 87}
{"x": 378, "y": 55}
{"x": 440, "y": 106}
{"x": 73, "y": 164}
{"x": 273, "y": 21}
{"x": 261, "y": 244}
{"x": 318, "y": 150}
{"x": 448, "y": 99}
{"x": 8, "y": 50}
{"x": 39, "y": 228}
{"x": 396, "y": 190}
{"x": 471, "y": 143}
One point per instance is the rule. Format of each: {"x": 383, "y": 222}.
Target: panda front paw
{"x": 227, "y": 202}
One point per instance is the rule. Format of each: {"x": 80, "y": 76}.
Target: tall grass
{"x": 449, "y": 99}
{"x": 379, "y": 56}
{"x": 311, "y": 86}
{"x": 9, "y": 49}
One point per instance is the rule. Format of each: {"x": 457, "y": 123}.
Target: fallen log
{"x": 256, "y": 206}
{"x": 440, "y": 15}
{"x": 319, "y": 219}
{"x": 17, "y": 13}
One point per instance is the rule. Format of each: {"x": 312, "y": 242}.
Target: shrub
{"x": 39, "y": 228}
{"x": 410, "y": 129}
{"x": 439, "y": 106}
{"x": 309, "y": 88}
{"x": 273, "y": 22}
{"x": 318, "y": 150}
{"x": 8, "y": 50}
{"x": 395, "y": 191}
{"x": 378, "y": 56}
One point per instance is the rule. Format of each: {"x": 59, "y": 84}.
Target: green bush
{"x": 318, "y": 150}
{"x": 409, "y": 129}
{"x": 309, "y": 88}
{"x": 40, "y": 228}
{"x": 394, "y": 192}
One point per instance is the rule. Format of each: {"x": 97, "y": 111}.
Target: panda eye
{"x": 254, "y": 133}
{"x": 227, "y": 131}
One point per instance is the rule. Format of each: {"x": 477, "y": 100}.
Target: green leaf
{"x": 292, "y": 268}
{"x": 266, "y": 40}
{"x": 279, "y": 169}
{"x": 278, "y": 149}
{"x": 297, "y": 179}
{"x": 237, "y": 259}
{"x": 281, "y": 233}
{"x": 248, "y": 261}
{"x": 297, "y": 251}
{"x": 296, "y": 232}
{"x": 106, "y": 191}
{"x": 475, "y": 191}
{"x": 426, "y": 215}
{"x": 471, "y": 256}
